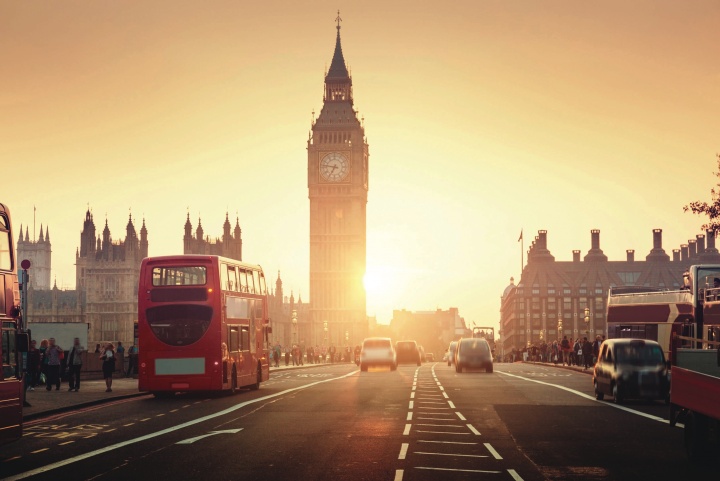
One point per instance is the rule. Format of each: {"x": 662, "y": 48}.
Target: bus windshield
{"x": 179, "y": 276}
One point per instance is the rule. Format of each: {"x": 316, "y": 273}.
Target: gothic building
{"x": 551, "y": 297}
{"x": 39, "y": 253}
{"x": 106, "y": 274}
{"x": 282, "y": 311}
{"x": 230, "y": 245}
{"x": 105, "y": 296}
{"x": 338, "y": 189}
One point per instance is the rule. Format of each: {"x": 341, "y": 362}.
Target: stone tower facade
{"x": 39, "y": 253}
{"x": 107, "y": 274}
{"x": 229, "y": 245}
{"x": 338, "y": 189}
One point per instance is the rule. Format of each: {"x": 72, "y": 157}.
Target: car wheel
{"x": 489, "y": 368}
{"x": 617, "y": 397}
{"x": 363, "y": 367}
{"x": 598, "y": 395}
{"x": 393, "y": 367}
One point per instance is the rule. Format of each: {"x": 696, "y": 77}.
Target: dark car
{"x": 631, "y": 369}
{"x": 407, "y": 352}
{"x": 473, "y": 353}
{"x": 451, "y": 353}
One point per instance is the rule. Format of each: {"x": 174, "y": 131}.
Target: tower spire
{"x": 338, "y": 70}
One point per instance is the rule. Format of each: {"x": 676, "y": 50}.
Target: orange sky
{"x": 483, "y": 117}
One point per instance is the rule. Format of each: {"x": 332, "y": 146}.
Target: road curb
{"x": 86, "y": 404}
{"x": 97, "y": 402}
{"x": 589, "y": 371}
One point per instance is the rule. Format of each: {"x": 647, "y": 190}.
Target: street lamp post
{"x": 295, "y": 326}
{"x": 560, "y": 326}
{"x": 587, "y": 321}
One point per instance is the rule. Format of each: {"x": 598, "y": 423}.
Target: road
{"x": 333, "y": 422}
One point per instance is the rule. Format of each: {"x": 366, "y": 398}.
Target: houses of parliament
{"x": 105, "y": 295}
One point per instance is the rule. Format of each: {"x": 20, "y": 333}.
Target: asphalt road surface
{"x": 522, "y": 422}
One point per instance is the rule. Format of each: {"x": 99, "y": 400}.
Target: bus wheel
{"x": 258, "y": 380}
{"x": 233, "y": 381}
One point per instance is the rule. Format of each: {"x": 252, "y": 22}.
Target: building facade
{"x": 290, "y": 319}
{"x": 39, "y": 253}
{"x": 229, "y": 245}
{"x": 337, "y": 188}
{"x": 550, "y": 300}
{"x": 105, "y": 294}
{"x": 434, "y": 330}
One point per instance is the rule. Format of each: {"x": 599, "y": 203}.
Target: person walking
{"x": 54, "y": 355}
{"x": 33, "y": 366}
{"x": 565, "y": 346}
{"x": 120, "y": 356}
{"x": 108, "y": 365}
{"x": 132, "y": 360}
{"x": 587, "y": 353}
{"x": 75, "y": 364}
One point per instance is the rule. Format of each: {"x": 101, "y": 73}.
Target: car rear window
{"x": 406, "y": 346}
{"x": 377, "y": 343}
{"x": 477, "y": 345}
{"x": 639, "y": 355}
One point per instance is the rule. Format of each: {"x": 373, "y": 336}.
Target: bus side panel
{"x": 10, "y": 410}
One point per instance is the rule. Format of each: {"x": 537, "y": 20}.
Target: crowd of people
{"x": 565, "y": 351}
{"x": 48, "y": 364}
{"x": 299, "y": 354}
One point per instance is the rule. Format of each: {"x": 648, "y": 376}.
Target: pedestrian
{"x": 33, "y": 365}
{"x": 75, "y": 364}
{"x": 108, "y": 365}
{"x": 54, "y": 355}
{"x": 587, "y": 352}
{"x": 132, "y": 360}
{"x": 565, "y": 346}
{"x": 287, "y": 356}
{"x": 596, "y": 348}
{"x": 97, "y": 348}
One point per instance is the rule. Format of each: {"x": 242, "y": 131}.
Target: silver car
{"x": 378, "y": 351}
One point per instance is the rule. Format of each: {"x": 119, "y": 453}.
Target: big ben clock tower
{"x": 337, "y": 188}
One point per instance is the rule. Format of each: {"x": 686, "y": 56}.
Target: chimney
{"x": 676, "y": 255}
{"x": 576, "y": 256}
{"x": 692, "y": 248}
{"x": 684, "y": 252}
{"x": 595, "y": 253}
{"x": 657, "y": 238}
{"x": 700, "y": 243}
{"x": 630, "y": 255}
{"x": 657, "y": 253}
{"x": 595, "y": 239}
{"x": 542, "y": 239}
{"x": 711, "y": 242}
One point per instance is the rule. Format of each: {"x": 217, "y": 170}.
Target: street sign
{"x": 25, "y": 264}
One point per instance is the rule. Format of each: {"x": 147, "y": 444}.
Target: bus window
{"x": 5, "y": 259}
{"x": 9, "y": 364}
{"x": 223, "y": 277}
{"x": 232, "y": 278}
{"x": 244, "y": 338}
{"x": 258, "y": 309}
{"x": 243, "y": 280}
{"x": 179, "y": 276}
{"x": 234, "y": 338}
{"x": 256, "y": 278}
{"x": 263, "y": 290}
{"x": 251, "y": 285}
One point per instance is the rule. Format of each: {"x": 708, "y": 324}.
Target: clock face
{"x": 334, "y": 167}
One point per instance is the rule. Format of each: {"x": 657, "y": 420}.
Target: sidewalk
{"x": 92, "y": 392}
{"x": 589, "y": 370}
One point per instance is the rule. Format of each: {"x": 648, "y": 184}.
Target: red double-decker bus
{"x": 202, "y": 325}
{"x": 13, "y": 341}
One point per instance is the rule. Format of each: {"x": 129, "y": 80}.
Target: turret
{"x": 143, "y": 241}
{"x": 42, "y": 237}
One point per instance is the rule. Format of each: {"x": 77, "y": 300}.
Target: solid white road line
{"x": 460, "y": 470}
{"x": 451, "y": 454}
{"x": 435, "y": 414}
{"x": 433, "y": 419}
{"x": 495, "y": 454}
{"x": 407, "y": 429}
{"x": 440, "y": 425}
{"x": 472, "y": 428}
{"x": 515, "y": 475}
{"x": 589, "y": 397}
{"x": 443, "y": 442}
{"x": 444, "y": 432}
{"x": 462, "y": 418}
{"x": 403, "y": 450}
{"x": 113, "y": 447}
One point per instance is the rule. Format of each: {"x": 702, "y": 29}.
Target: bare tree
{"x": 712, "y": 209}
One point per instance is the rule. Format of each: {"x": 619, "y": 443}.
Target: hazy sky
{"x": 483, "y": 117}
